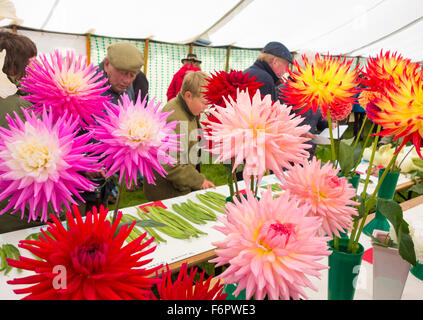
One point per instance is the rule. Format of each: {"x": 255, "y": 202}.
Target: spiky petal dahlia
{"x": 41, "y": 163}
{"x": 185, "y": 287}
{"x": 66, "y": 84}
{"x": 384, "y": 71}
{"x": 341, "y": 112}
{"x": 271, "y": 247}
{"x": 328, "y": 195}
{"x": 94, "y": 263}
{"x": 135, "y": 136}
{"x": 224, "y": 85}
{"x": 367, "y": 96}
{"x": 264, "y": 134}
{"x": 327, "y": 83}
{"x": 400, "y": 111}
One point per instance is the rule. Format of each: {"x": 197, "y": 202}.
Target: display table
{"x": 175, "y": 252}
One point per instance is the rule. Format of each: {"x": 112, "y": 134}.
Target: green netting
{"x": 241, "y": 59}
{"x": 212, "y": 59}
{"x": 163, "y": 62}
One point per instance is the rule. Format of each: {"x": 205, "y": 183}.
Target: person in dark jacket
{"x": 140, "y": 86}
{"x": 120, "y": 66}
{"x": 271, "y": 64}
{"x": 311, "y": 118}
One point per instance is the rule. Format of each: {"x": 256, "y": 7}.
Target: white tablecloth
{"x": 175, "y": 250}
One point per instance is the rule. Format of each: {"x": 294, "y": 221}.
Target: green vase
{"x": 230, "y": 288}
{"x": 417, "y": 271}
{"x": 386, "y": 191}
{"x": 343, "y": 271}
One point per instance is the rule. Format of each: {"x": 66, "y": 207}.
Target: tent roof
{"x": 358, "y": 28}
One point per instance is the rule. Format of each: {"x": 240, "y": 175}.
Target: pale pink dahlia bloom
{"x": 328, "y": 195}
{"x": 41, "y": 161}
{"x": 135, "y": 136}
{"x": 264, "y": 134}
{"x": 66, "y": 84}
{"x": 271, "y": 247}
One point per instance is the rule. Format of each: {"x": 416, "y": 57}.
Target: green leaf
{"x": 393, "y": 212}
{"x": 346, "y": 159}
{"x": 418, "y": 188}
{"x": 406, "y": 245}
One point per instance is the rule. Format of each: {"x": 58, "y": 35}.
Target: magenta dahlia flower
{"x": 328, "y": 195}
{"x": 87, "y": 260}
{"x": 271, "y": 247}
{"x": 135, "y": 136}
{"x": 41, "y": 161}
{"x": 66, "y": 84}
{"x": 264, "y": 134}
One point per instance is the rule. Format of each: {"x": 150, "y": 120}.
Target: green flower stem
{"x": 351, "y": 243}
{"x": 364, "y": 146}
{"x": 336, "y": 243}
{"x": 332, "y": 144}
{"x": 236, "y": 184}
{"x": 339, "y": 142}
{"x": 231, "y": 184}
{"x": 257, "y": 187}
{"x": 119, "y": 196}
{"x": 366, "y": 213}
{"x": 369, "y": 169}
{"x": 361, "y": 130}
{"x": 411, "y": 149}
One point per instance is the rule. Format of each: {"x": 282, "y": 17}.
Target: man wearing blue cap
{"x": 270, "y": 66}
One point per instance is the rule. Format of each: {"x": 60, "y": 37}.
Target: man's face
{"x": 119, "y": 80}
{"x": 280, "y": 66}
{"x": 196, "y": 104}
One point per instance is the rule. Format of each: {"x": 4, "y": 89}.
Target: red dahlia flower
{"x": 185, "y": 288}
{"x": 93, "y": 262}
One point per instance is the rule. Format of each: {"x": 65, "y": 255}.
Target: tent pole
{"x": 147, "y": 42}
{"x": 88, "y": 44}
{"x": 190, "y": 47}
{"x": 228, "y": 53}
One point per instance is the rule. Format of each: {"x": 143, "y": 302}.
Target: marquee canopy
{"x": 352, "y": 28}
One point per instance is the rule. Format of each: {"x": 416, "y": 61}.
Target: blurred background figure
{"x": 190, "y": 63}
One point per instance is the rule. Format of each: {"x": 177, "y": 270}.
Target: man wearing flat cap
{"x": 190, "y": 63}
{"x": 121, "y": 65}
{"x": 271, "y": 64}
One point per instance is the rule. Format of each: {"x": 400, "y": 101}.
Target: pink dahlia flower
{"x": 66, "y": 84}
{"x": 135, "y": 136}
{"x": 271, "y": 247}
{"x": 264, "y": 134}
{"x": 41, "y": 161}
{"x": 328, "y": 195}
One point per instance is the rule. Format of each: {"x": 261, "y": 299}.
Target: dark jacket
{"x": 140, "y": 83}
{"x": 265, "y": 74}
{"x": 183, "y": 177}
{"x": 313, "y": 119}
